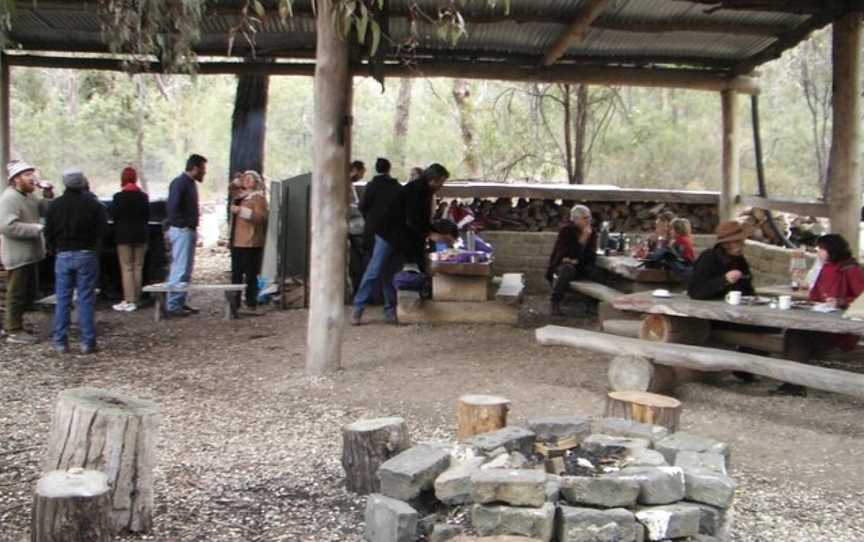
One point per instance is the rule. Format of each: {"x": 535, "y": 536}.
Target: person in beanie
{"x": 22, "y": 245}
{"x": 573, "y": 255}
{"x": 182, "y": 219}
{"x": 722, "y": 269}
{"x": 130, "y": 211}
{"x": 74, "y": 226}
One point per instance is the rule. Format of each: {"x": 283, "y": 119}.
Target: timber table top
{"x": 802, "y": 294}
{"x": 755, "y": 315}
{"x": 629, "y": 268}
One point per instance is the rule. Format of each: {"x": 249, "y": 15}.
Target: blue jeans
{"x": 182, "y": 262}
{"x": 75, "y": 270}
{"x": 381, "y": 266}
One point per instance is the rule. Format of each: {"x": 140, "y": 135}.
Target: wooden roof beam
{"x": 576, "y": 32}
{"x": 800, "y": 7}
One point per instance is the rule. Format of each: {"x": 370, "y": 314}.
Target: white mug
{"x": 733, "y": 297}
{"x": 784, "y": 302}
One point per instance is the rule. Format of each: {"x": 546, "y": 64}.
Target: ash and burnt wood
{"x": 71, "y": 506}
{"x": 115, "y": 434}
{"x": 366, "y": 444}
{"x": 637, "y": 373}
{"x": 644, "y": 407}
{"x": 477, "y": 414}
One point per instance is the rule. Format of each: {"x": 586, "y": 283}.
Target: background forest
{"x": 630, "y": 137}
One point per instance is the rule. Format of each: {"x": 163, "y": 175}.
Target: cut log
{"x": 673, "y": 329}
{"x": 457, "y": 288}
{"x": 477, "y": 414}
{"x": 706, "y": 359}
{"x": 511, "y": 289}
{"x": 115, "y": 434}
{"x": 71, "y": 506}
{"x": 624, "y": 328}
{"x": 366, "y": 444}
{"x": 598, "y": 291}
{"x": 637, "y": 373}
{"x": 644, "y": 407}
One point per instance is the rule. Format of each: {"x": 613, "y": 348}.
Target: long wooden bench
{"x": 595, "y": 290}
{"x": 161, "y": 290}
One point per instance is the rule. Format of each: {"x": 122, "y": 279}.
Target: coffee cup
{"x": 733, "y": 297}
{"x": 784, "y": 302}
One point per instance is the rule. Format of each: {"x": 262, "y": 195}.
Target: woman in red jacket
{"x": 840, "y": 281}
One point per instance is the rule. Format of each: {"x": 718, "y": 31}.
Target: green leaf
{"x": 259, "y": 8}
{"x": 362, "y": 24}
{"x": 376, "y": 37}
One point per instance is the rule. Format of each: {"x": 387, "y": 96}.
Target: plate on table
{"x": 755, "y": 300}
{"x": 661, "y": 293}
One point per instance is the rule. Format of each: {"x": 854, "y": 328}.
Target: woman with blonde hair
{"x": 248, "y": 230}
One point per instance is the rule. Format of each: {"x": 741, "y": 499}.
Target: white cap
{"x": 16, "y": 167}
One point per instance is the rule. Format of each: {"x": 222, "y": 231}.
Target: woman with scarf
{"x": 130, "y": 212}
{"x": 248, "y": 230}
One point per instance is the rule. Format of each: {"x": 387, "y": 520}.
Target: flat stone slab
{"x": 714, "y": 521}
{"x": 389, "y": 520}
{"x": 442, "y": 532}
{"x": 453, "y": 486}
{"x": 576, "y": 524}
{"x": 516, "y": 487}
{"x": 603, "y": 492}
{"x": 511, "y": 520}
{"x": 701, "y": 460}
{"x": 708, "y": 487}
{"x": 644, "y": 458}
{"x": 619, "y": 427}
{"x": 557, "y": 428}
{"x": 669, "y": 521}
{"x": 597, "y": 443}
{"x": 657, "y": 485}
{"x": 406, "y": 475}
{"x": 683, "y": 441}
{"x": 553, "y": 488}
{"x": 512, "y": 439}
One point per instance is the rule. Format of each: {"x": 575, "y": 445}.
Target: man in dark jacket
{"x": 182, "y": 218}
{"x": 573, "y": 256}
{"x": 74, "y": 226}
{"x": 378, "y": 199}
{"x": 410, "y": 216}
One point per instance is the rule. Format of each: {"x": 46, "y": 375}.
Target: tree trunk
{"x": 249, "y": 124}
{"x": 328, "y": 205}
{"x": 400, "y": 125}
{"x": 114, "y": 434}
{"x": 462, "y": 96}
{"x": 71, "y": 506}
{"x": 580, "y": 158}
{"x": 568, "y": 135}
{"x": 477, "y": 414}
{"x": 139, "y": 131}
{"x": 644, "y": 407}
{"x": 367, "y": 444}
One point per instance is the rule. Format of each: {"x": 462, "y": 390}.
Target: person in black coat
{"x": 131, "y": 213}
{"x": 573, "y": 256}
{"x": 723, "y": 268}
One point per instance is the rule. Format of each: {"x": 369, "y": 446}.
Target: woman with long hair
{"x": 248, "y": 231}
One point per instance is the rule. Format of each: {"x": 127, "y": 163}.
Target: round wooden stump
{"x": 679, "y": 330}
{"x": 477, "y": 414}
{"x": 71, "y": 506}
{"x": 365, "y": 445}
{"x": 637, "y": 373}
{"x": 644, "y": 407}
{"x": 115, "y": 434}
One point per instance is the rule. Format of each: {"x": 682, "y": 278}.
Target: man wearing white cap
{"x": 22, "y": 245}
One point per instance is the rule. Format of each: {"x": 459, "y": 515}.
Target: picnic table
{"x": 627, "y": 274}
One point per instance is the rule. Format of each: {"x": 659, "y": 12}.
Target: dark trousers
{"x": 358, "y": 257}
{"x": 245, "y": 267}
{"x": 568, "y": 272}
{"x": 20, "y": 292}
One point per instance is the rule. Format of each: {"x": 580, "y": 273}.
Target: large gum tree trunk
{"x": 249, "y": 124}
{"x": 462, "y": 96}
{"x": 400, "y": 124}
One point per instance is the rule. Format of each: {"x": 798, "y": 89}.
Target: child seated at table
{"x": 682, "y": 242}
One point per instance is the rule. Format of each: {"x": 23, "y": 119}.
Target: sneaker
{"x": 21, "y": 337}
{"x": 391, "y": 319}
{"x": 356, "y": 318}
{"x": 87, "y": 349}
{"x": 131, "y": 307}
{"x": 120, "y": 307}
{"x": 60, "y": 348}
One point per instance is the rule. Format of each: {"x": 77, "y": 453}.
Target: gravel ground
{"x": 249, "y": 447}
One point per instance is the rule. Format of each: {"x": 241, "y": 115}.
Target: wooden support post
{"x": 576, "y": 30}
{"x": 5, "y": 112}
{"x": 644, "y": 407}
{"x": 328, "y": 204}
{"x": 366, "y": 444}
{"x": 72, "y": 506}
{"x": 844, "y": 188}
{"x": 730, "y": 184}
{"x": 477, "y": 414}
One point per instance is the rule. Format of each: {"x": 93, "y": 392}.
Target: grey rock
{"x": 553, "y": 488}
{"x": 619, "y": 427}
{"x": 708, "y": 487}
{"x": 413, "y": 471}
{"x": 389, "y": 520}
{"x": 426, "y": 524}
{"x": 701, "y": 460}
{"x": 443, "y": 532}
{"x": 669, "y": 521}
{"x": 714, "y": 521}
{"x": 682, "y": 441}
{"x": 501, "y": 450}
{"x": 517, "y": 487}
{"x": 657, "y": 485}
{"x": 453, "y": 486}
{"x": 513, "y": 460}
{"x": 512, "y": 439}
{"x": 603, "y": 492}
{"x": 556, "y": 428}
{"x": 598, "y": 443}
{"x": 576, "y": 524}
{"x": 502, "y": 520}
{"x": 704, "y": 538}
{"x": 644, "y": 458}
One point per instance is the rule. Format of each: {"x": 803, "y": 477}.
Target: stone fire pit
{"x": 565, "y": 479}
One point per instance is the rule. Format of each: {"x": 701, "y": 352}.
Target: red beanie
{"x": 129, "y": 176}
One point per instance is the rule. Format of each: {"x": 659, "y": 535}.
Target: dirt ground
{"x": 249, "y": 447}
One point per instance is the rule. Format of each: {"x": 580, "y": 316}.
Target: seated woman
{"x": 573, "y": 256}
{"x": 722, "y": 269}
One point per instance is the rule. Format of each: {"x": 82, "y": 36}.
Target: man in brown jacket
{"x": 248, "y": 231}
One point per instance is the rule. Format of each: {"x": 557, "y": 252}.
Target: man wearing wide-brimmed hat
{"x": 722, "y": 269}
{"x": 22, "y": 245}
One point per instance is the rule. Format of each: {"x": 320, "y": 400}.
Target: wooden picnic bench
{"x": 161, "y": 290}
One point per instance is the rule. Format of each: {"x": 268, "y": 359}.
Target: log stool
{"x": 115, "y": 434}
{"x": 644, "y": 407}
{"x": 72, "y": 506}
{"x": 366, "y": 444}
{"x": 680, "y": 330}
{"x": 477, "y": 414}
{"x": 637, "y": 373}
